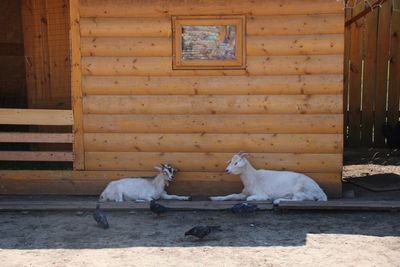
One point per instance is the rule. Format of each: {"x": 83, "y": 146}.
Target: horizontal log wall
{"x": 285, "y": 108}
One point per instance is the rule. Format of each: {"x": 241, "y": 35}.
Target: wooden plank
{"x": 256, "y": 26}
{"x": 394, "y": 77}
{"x": 125, "y": 27}
{"x": 374, "y": 205}
{"x": 36, "y": 156}
{"x": 13, "y": 137}
{"x": 260, "y": 104}
{"x": 93, "y": 182}
{"x": 295, "y": 45}
{"x": 295, "y": 25}
{"x": 88, "y": 205}
{"x": 36, "y": 117}
{"x": 224, "y": 85}
{"x": 382, "y": 72}
{"x": 211, "y": 162}
{"x": 354, "y": 118}
{"x": 161, "y": 66}
{"x": 368, "y": 96}
{"x": 256, "y": 46}
{"x": 165, "y": 8}
{"x": 76, "y": 84}
{"x": 127, "y": 123}
{"x": 229, "y": 143}
{"x": 123, "y": 46}
{"x": 346, "y": 76}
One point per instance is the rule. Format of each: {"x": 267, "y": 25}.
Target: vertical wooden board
{"x": 346, "y": 68}
{"x": 76, "y": 85}
{"x": 355, "y": 81}
{"x": 369, "y": 82}
{"x": 34, "y": 45}
{"x": 383, "y": 47}
{"x": 394, "y": 78}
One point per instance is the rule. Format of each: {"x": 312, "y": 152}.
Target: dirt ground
{"x": 268, "y": 238}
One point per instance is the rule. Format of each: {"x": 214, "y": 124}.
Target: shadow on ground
{"x": 70, "y": 230}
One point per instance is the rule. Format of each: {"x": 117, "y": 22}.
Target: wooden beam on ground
{"x": 62, "y": 205}
{"x": 36, "y": 156}
{"x": 370, "y": 205}
{"x": 36, "y": 137}
{"x": 36, "y": 117}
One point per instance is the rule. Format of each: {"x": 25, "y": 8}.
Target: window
{"x": 208, "y": 42}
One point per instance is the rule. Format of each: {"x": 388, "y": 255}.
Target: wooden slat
{"x": 165, "y": 8}
{"x": 382, "y": 72}
{"x": 394, "y": 85}
{"x": 295, "y": 45}
{"x": 125, "y": 27}
{"x": 354, "y": 118}
{"x": 76, "y": 84}
{"x": 224, "y": 85}
{"x": 36, "y": 156}
{"x": 256, "y": 46}
{"x": 369, "y": 81}
{"x": 93, "y": 182}
{"x": 161, "y": 66}
{"x": 36, "y": 117}
{"x": 341, "y": 205}
{"x": 295, "y": 25}
{"x": 140, "y": 46}
{"x": 314, "y": 104}
{"x": 229, "y": 143}
{"x": 213, "y": 124}
{"x": 346, "y": 68}
{"x": 211, "y": 162}
{"x": 12, "y": 137}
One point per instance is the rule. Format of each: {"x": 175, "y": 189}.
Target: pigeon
{"x": 244, "y": 208}
{"x": 100, "y": 217}
{"x": 157, "y": 208}
{"x": 202, "y": 231}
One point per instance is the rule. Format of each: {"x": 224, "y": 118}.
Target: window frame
{"x": 179, "y": 21}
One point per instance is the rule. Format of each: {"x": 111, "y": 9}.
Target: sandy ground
{"x": 143, "y": 239}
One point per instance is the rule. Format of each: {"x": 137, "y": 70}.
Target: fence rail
{"x": 36, "y": 117}
{"x": 372, "y": 71}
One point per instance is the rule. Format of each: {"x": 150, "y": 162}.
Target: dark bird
{"x": 100, "y": 217}
{"x": 157, "y": 208}
{"x": 392, "y": 135}
{"x": 202, "y": 231}
{"x": 244, "y": 208}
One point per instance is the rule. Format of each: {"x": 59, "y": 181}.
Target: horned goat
{"x": 270, "y": 185}
{"x": 139, "y": 188}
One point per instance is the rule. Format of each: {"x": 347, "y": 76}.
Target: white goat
{"x": 271, "y": 185}
{"x": 139, "y": 188}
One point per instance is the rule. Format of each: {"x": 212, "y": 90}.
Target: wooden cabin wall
{"x": 12, "y": 62}
{"x": 285, "y": 108}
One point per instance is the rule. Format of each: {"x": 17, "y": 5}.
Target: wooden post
{"x": 76, "y": 85}
{"x": 394, "y": 85}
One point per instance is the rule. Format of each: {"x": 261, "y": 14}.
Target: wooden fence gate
{"x": 372, "y": 70}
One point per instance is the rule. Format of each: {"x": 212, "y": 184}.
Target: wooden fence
{"x": 372, "y": 71}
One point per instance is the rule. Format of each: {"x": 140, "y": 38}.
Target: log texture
{"x": 225, "y": 85}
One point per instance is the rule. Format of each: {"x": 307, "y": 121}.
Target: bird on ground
{"x": 202, "y": 231}
{"x": 243, "y": 208}
{"x": 157, "y": 208}
{"x": 100, "y": 217}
